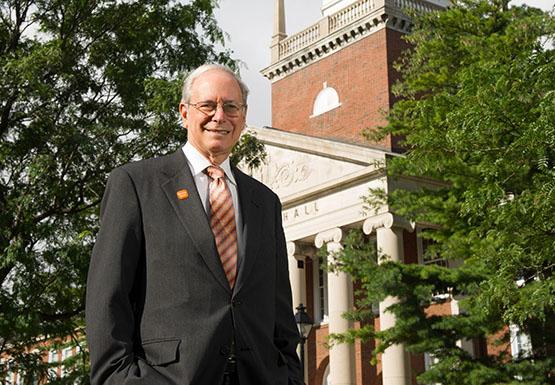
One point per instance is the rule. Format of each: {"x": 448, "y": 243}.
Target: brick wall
{"x": 360, "y": 73}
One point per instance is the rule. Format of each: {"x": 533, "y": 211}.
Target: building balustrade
{"x": 339, "y": 20}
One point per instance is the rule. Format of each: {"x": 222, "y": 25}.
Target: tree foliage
{"x": 86, "y": 85}
{"x": 477, "y": 114}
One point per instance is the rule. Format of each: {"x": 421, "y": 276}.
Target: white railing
{"x": 299, "y": 40}
{"x": 417, "y": 5}
{"x": 346, "y": 16}
{"x": 351, "y": 13}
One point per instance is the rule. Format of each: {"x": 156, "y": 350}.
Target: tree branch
{"x": 61, "y": 316}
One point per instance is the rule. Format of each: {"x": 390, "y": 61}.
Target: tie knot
{"x": 214, "y": 172}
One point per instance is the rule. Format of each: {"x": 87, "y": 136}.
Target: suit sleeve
{"x": 109, "y": 310}
{"x": 286, "y": 335}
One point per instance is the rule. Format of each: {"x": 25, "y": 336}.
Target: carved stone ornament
{"x": 299, "y": 250}
{"x": 332, "y": 235}
{"x": 386, "y": 220}
{"x": 285, "y": 174}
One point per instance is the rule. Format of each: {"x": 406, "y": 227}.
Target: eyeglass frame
{"x": 240, "y": 106}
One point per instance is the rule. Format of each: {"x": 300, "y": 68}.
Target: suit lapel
{"x": 252, "y": 225}
{"x": 191, "y": 213}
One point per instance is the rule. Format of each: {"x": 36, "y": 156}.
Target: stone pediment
{"x": 321, "y": 183}
{"x": 297, "y": 163}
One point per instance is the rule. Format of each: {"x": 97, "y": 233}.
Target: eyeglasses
{"x": 209, "y": 108}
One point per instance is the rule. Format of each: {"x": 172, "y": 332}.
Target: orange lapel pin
{"x": 182, "y": 194}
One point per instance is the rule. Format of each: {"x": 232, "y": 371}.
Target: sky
{"x": 249, "y": 25}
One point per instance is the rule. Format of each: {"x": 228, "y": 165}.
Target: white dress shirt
{"x": 197, "y": 164}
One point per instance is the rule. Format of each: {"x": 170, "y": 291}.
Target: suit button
{"x": 235, "y": 302}
{"x": 225, "y": 350}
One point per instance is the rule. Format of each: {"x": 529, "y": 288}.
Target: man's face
{"x": 213, "y": 136}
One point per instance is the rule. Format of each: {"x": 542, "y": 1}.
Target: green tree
{"x": 86, "y": 85}
{"x": 477, "y": 114}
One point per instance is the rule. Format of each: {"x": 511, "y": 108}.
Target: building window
{"x": 426, "y": 253}
{"x": 320, "y": 293}
{"x": 9, "y": 378}
{"x": 521, "y": 347}
{"x": 429, "y": 362}
{"x": 53, "y": 359}
{"x": 66, "y": 353}
{"x": 326, "y": 100}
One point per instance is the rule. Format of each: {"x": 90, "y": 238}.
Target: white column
{"x": 340, "y": 300}
{"x": 396, "y": 368}
{"x": 296, "y": 253}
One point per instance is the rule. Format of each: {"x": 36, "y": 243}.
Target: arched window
{"x": 326, "y": 100}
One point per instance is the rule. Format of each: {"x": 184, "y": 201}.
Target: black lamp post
{"x": 304, "y": 323}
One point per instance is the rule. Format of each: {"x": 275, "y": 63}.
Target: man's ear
{"x": 184, "y": 111}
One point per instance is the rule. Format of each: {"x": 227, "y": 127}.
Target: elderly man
{"x": 188, "y": 281}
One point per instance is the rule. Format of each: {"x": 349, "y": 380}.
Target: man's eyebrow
{"x": 213, "y": 101}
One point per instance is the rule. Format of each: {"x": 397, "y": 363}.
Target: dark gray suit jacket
{"x": 159, "y": 308}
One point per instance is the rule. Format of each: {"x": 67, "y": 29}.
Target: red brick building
{"x": 331, "y": 82}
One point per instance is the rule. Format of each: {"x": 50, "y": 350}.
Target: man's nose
{"x": 219, "y": 114}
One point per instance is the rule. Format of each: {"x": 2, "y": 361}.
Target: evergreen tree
{"x": 476, "y": 110}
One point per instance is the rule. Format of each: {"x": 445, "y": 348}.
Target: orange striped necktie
{"x": 222, "y": 221}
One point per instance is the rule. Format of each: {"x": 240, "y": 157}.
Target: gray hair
{"x": 191, "y": 77}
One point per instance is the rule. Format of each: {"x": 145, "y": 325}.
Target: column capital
{"x": 299, "y": 250}
{"x": 327, "y": 236}
{"x": 386, "y": 220}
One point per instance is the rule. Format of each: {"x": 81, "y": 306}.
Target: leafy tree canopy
{"x": 86, "y": 85}
{"x": 477, "y": 114}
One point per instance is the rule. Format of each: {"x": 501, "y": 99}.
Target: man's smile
{"x": 221, "y": 131}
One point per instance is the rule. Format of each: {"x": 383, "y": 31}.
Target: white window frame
{"x": 18, "y": 378}
{"x": 53, "y": 357}
{"x": 521, "y": 344}
{"x": 429, "y": 361}
{"x": 326, "y": 100}
{"x": 420, "y": 252}
{"x": 10, "y": 378}
{"x": 67, "y": 352}
{"x": 320, "y": 288}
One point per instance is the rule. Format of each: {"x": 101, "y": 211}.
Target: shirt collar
{"x": 198, "y": 162}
